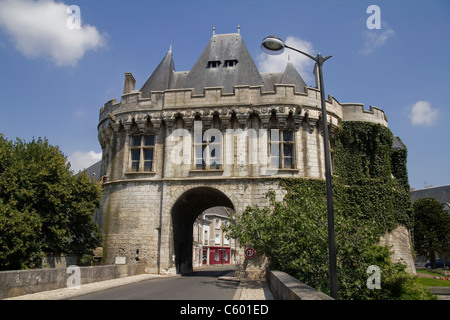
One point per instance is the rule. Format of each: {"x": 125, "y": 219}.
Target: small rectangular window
{"x": 230, "y": 63}
{"x": 213, "y": 64}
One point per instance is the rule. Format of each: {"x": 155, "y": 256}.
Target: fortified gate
{"x": 221, "y": 134}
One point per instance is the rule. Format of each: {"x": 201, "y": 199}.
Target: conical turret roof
{"x": 291, "y": 76}
{"x": 162, "y": 78}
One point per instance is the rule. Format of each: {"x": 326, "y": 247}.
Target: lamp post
{"x": 274, "y": 45}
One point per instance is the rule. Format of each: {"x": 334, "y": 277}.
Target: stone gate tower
{"x": 221, "y": 134}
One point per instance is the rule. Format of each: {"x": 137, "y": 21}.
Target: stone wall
{"x": 356, "y": 112}
{"x": 286, "y": 287}
{"x": 400, "y": 242}
{"x": 17, "y": 283}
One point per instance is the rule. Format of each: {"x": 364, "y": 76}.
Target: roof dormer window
{"x": 230, "y": 63}
{"x": 213, "y": 64}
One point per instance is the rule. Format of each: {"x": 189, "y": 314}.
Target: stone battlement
{"x": 356, "y": 112}
{"x": 242, "y": 96}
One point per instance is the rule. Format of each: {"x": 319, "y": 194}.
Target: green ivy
{"x": 370, "y": 178}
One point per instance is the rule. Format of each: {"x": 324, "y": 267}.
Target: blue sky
{"x": 53, "y": 80}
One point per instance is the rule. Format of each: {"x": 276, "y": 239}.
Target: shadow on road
{"x": 212, "y": 272}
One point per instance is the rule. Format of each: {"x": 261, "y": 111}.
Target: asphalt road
{"x": 199, "y": 285}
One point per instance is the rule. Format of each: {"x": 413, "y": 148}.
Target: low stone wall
{"x": 443, "y": 293}
{"x": 21, "y": 282}
{"x": 286, "y": 287}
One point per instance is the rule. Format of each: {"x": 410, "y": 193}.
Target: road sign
{"x": 250, "y": 253}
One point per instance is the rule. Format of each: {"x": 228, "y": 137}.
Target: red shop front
{"x": 218, "y": 255}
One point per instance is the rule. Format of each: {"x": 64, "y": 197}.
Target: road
{"x": 199, "y": 285}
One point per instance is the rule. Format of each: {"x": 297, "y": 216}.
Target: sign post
{"x": 250, "y": 253}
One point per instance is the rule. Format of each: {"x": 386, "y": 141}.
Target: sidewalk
{"x": 249, "y": 289}
{"x": 253, "y": 290}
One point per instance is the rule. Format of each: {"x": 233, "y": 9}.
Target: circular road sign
{"x": 250, "y": 253}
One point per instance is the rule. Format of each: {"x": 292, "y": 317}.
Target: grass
{"x": 429, "y": 282}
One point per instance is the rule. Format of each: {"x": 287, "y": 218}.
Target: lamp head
{"x": 272, "y": 45}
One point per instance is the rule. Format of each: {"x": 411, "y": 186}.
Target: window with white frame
{"x": 217, "y": 238}
{"x": 206, "y": 238}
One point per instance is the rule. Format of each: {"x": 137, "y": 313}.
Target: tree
{"x": 431, "y": 229}
{"x": 44, "y": 207}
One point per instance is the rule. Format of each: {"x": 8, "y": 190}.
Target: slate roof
{"x": 94, "y": 170}
{"x": 162, "y": 78}
{"x": 291, "y": 76}
{"x": 221, "y": 48}
{"x": 397, "y": 144}
{"x": 441, "y": 194}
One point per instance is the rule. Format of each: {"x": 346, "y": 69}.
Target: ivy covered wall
{"x": 370, "y": 178}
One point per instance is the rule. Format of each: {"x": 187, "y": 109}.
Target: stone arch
{"x": 184, "y": 211}
{"x": 254, "y": 121}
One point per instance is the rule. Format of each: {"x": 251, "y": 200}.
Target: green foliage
{"x": 370, "y": 179}
{"x": 20, "y": 245}
{"x": 43, "y": 206}
{"x": 371, "y": 196}
{"x": 431, "y": 229}
{"x": 293, "y": 235}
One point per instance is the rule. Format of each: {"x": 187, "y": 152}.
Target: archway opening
{"x": 184, "y": 212}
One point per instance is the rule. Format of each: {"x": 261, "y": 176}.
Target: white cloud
{"x": 80, "y": 160}
{"x": 422, "y": 114}
{"x": 39, "y": 30}
{"x": 375, "y": 38}
{"x": 79, "y": 113}
{"x": 277, "y": 63}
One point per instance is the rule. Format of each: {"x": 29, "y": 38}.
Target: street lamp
{"x": 274, "y": 45}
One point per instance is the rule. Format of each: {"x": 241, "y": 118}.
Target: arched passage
{"x": 184, "y": 212}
